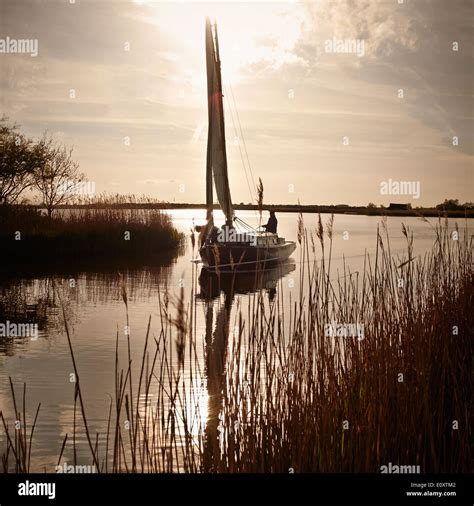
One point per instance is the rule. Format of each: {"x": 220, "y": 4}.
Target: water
{"x": 95, "y": 313}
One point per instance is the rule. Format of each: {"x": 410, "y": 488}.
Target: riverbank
{"x": 89, "y": 235}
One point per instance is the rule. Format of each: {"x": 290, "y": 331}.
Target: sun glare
{"x": 247, "y": 36}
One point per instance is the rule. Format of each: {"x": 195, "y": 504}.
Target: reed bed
{"x": 271, "y": 391}
{"x": 109, "y": 231}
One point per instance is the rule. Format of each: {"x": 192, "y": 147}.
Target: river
{"x": 95, "y": 312}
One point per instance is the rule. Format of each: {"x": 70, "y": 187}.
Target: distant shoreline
{"x": 427, "y": 212}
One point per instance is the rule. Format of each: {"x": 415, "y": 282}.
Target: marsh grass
{"x": 106, "y": 231}
{"x": 19, "y": 442}
{"x": 276, "y": 394}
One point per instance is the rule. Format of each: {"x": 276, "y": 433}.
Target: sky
{"x": 123, "y": 83}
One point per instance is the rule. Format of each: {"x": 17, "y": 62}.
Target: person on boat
{"x": 207, "y": 232}
{"x": 272, "y": 223}
{"x": 213, "y": 234}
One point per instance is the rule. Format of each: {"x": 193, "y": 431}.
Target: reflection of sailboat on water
{"x": 217, "y": 341}
{"x": 216, "y": 354}
{"x": 242, "y": 281}
{"x": 228, "y": 247}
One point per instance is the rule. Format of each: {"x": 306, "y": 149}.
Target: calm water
{"x": 95, "y": 313}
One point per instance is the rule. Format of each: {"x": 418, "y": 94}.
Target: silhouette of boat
{"x": 227, "y": 248}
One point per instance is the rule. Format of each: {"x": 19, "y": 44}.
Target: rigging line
{"x": 240, "y": 149}
{"x": 239, "y": 226}
{"x": 253, "y": 196}
{"x": 231, "y": 110}
{"x": 242, "y": 135}
{"x": 244, "y": 224}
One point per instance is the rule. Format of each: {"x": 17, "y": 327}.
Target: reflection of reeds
{"x": 285, "y": 395}
{"x": 17, "y": 305}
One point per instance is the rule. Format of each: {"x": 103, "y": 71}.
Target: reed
{"x": 18, "y": 442}
{"x": 272, "y": 391}
{"x": 107, "y": 231}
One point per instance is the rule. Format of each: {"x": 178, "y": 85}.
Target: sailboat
{"x": 229, "y": 248}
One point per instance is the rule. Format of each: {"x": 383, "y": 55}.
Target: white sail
{"x": 216, "y": 149}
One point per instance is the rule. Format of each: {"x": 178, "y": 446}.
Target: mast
{"x": 209, "y": 65}
{"x": 222, "y": 126}
{"x": 216, "y": 147}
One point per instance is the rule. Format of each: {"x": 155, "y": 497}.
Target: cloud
{"x": 387, "y": 27}
{"x": 156, "y": 92}
{"x": 408, "y": 46}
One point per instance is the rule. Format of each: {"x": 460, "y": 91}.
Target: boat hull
{"x": 229, "y": 256}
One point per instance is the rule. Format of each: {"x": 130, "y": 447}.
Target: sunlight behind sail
{"x": 279, "y": 26}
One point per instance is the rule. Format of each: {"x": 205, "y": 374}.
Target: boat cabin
{"x": 266, "y": 239}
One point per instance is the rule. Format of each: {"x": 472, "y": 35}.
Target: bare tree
{"x": 58, "y": 177}
{"x": 19, "y": 158}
